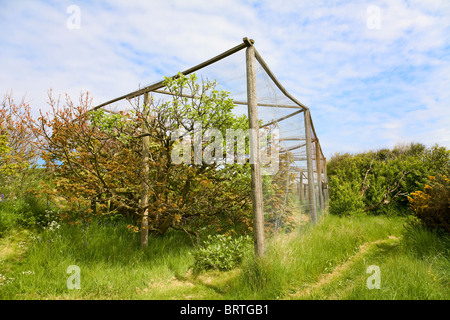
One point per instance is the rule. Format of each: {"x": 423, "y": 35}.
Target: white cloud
{"x": 364, "y": 87}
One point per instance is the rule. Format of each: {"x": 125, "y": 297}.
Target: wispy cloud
{"x": 366, "y": 87}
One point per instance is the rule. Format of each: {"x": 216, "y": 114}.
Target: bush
{"x": 378, "y": 182}
{"x": 32, "y": 211}
{"x": 220, "y": 252}
{"x": 431, "y": 206}
{"x": 27, "y": 212}
{"x": 345, "y": 198}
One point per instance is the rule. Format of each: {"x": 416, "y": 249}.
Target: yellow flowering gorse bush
{"x": 431, "y": 206}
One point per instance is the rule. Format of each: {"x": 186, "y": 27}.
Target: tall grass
{"x": 417, "y": 267}
{"x": 324, "y": 262}
{"x": 23, "y": 212}
{"x": 8, "y": 219}
{"x": 413, "y": 265}
{"x": 111, "y": 262}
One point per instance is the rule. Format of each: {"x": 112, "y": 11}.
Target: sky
{"x": 373, "y": 73}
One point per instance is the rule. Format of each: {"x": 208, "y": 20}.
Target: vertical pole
{"x": 319, "y": 174}
{"x": 258, "y": 216}
{"x": 145, "y": 172}
{"x": 305, "y": 191}
{"x": 300, "y": 198}
{"x": 325, "y": 191}
{"x": 309, "y": 162}
{"x": 301, "y": 186}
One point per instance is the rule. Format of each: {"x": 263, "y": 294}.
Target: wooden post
{"x": 309, "y": 162}
{"x": 319, "y": 175}
{"x": 300, "y": 199}
{"x": 145, "y": 172}
{"x": 301, "y": 186}
{"x": 258, "y": 215}
{"x": 325, "y": 191}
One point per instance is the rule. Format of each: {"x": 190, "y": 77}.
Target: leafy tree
{"x": 17, "y": 154}
{"x": 87, "y": 156}
{"x": 96, "y": 160}
{"x": 5, "y": 166}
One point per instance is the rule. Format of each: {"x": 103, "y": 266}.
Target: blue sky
{"x": 372, "y": 79}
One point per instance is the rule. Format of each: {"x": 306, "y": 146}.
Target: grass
{"x": 108, "y": 255}
{"x": 296, "y": 263}
{"x": 328, "y": 261}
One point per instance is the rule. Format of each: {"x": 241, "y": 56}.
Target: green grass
{"x": 8, "y": 217}
{"x": 328, "y": 261}
{"x": 331, "y": 261}
{"x": 112, "y": 264}
{"x": 295, "y": 263}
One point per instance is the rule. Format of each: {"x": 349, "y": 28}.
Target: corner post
{"x": 145, "y": 172}
{"x": 310, "y": 168}
{"x": 258, "y": 215}
{"x": 300, "y": 187}
{"x": 319, "y": 175}
{"x": 325, "y": 190}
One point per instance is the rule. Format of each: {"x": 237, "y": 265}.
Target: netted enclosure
{"x": 273, "y": 151}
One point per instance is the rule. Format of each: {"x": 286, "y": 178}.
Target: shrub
{"x": 220, "y": 252}
{"x": 431, "y": 206}
{"x": 345, "y": 198}
{"x": 29, "y": 211}
{"x": 382, "y": 179}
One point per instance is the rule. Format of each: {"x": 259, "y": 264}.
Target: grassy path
{"x": 12, "y": 253}
{"x": 329, "y": 279}
{"x": 12, "y": 249}
{"x": 328, "y": 262}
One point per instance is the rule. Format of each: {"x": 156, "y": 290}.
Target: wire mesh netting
{"x": 293, "y": 192}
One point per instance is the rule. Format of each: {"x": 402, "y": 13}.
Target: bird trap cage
{"x": 288, "y": 167}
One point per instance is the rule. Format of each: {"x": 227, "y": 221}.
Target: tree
{"x": 5, "y": 166}
{"x": 17, "y": 154}
{"x": 96, "y": 160}
{"x": 89, "y": 155}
